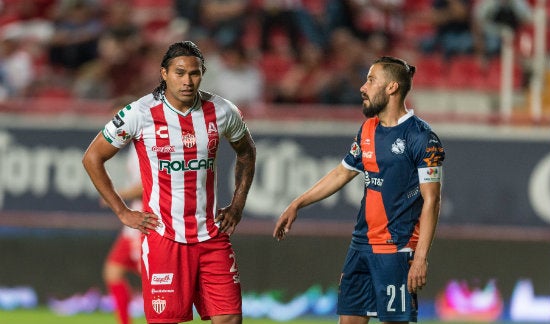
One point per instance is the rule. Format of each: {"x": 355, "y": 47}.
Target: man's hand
{"x": 228, "y": 218}
{"x": 417, "y": 275}
{"x": 140, "y": 220}
{"x": 284, "y": 224}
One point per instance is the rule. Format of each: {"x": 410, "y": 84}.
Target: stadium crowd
{"x": 257, "y": 51}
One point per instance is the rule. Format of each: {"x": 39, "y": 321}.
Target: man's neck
{"x": 390, "y": 117}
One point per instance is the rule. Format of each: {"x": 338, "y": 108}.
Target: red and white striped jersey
{"x": 177, "y": 158}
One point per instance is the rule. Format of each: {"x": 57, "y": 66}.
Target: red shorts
{"x": 126, "y": 250}
{"x": 176, "y": 276}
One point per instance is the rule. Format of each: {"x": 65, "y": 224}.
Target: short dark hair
{"x": 184, "y": 48}
{"x": 399, "y": 70}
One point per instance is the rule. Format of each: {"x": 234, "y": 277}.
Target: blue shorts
{"x": 375, "y": 285}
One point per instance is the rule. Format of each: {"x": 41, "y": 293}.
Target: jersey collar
{"x": 403, "y": 118}
{"x": 196, "y": 105}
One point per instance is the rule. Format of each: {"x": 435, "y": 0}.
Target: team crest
{"x": 159, "y": 305}
{"x": 188, "y": 139}
{"x": 398, "y": 147}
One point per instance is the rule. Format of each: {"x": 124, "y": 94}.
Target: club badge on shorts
{"x": 159, "y": 305}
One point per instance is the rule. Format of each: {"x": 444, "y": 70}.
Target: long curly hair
{"x": 184, "y": 48}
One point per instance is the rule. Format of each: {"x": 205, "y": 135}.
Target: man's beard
{"x": 375, "y": 106}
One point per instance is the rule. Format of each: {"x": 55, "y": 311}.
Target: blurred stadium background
{"x": 294, "y": 68}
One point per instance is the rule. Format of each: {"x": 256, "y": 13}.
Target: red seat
{"x": 429, "y": 71}
{"x": 465, "y": 72}
{"x": 494, "y": 74}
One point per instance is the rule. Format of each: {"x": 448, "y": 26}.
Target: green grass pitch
{"x": 45, "y": 316}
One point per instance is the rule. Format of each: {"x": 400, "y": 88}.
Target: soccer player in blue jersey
{"x": 400, "y": 158}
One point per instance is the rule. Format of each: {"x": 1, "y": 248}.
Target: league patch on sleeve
{"x": 122, "y": 134}
{"x": 430, "y": 174}
{"x": 355, "y": 149}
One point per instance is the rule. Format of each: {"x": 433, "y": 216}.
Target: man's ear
{"x": 392, "y": 87}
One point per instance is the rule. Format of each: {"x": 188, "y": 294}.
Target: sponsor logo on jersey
{"x": 162, "y": 132}
{"x": 188, "y": 139}
{"x": 372, "y": 180}
{"x": 212, "y": 128}
{"x": 162, "y": 278}
{"x": 162, "y": 291}
{"x": 213, "y": 145}
{"x": 163, "y": 149}
{"x": 183, "y": 165}
{"x": 368, "y": 155}
{"x": 398, "y": 147}
{"x": 117, "y": 121}
{"x": 159, "y": 304}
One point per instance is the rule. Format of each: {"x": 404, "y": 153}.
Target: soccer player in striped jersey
{"x": 186, "y": 258}
{"x": 400, "y": 158}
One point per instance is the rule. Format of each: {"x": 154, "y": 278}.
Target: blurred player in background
{"x": 400, "y": 158}
{"x": 187, "y": 257}
{"x": 124, "y": 256}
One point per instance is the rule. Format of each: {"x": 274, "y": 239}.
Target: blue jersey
{"x": 394, "y": 160}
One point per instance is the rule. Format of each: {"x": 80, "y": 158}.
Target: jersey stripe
{"x": 378, "y": 233}
{"x": 211, "y": 127}
{"x": 145, "y": 173}
{"x": 377, "y": 219}
{"x": 368, "y": 145}
{"x": 189, "y": 139}
{"x": 162, "y": 139}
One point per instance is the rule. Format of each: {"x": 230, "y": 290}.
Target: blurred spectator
{"x": 379, "y": 22}
{"x": 235, "y": 77}
{"x": 222, "y": 20}
{"x": 275, "y": 64}
{"x": 27, "y": 19}
{"x": 25, "y": 10}
{"x": 306, "y": 80}
{"x": 278, "y": 18}
{"x": 118, "y": 18}
{"x": 17, "y": 70}
{"x": 78, "y": 27}
{"x": 317, "y": 19}
{"x": 116, "y": 71}
{"x": 452, "y": 24}
{"x": 491, "y": 17}
{"x": 189, "y": 11}
{"x": 349, "y": 59}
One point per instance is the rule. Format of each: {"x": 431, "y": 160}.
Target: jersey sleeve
{"x": 354, "y": 158}
{"x": 124, "y": 126}
{"x": 236, "y": 127}
{"x": 429, "y": 158}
